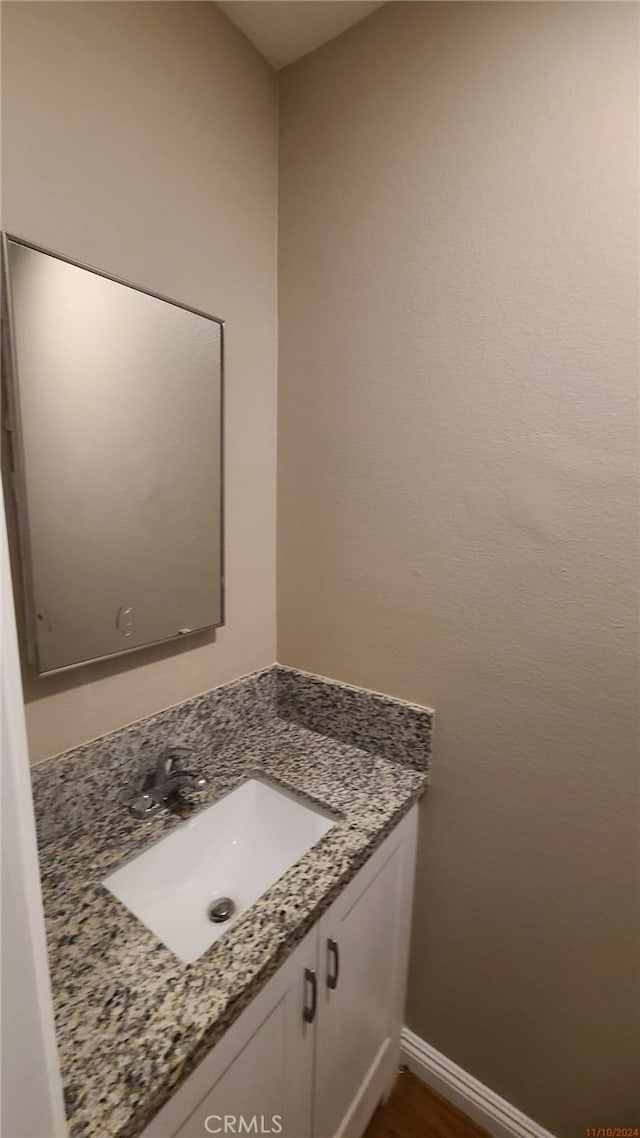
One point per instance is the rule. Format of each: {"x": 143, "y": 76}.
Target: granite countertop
{"x": 132, "y": 1020}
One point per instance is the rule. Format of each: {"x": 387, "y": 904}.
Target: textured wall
{"x": 142, "y": 138}
{"x": 457, "y": 499}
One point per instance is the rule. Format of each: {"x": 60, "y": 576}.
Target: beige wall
{"x": 142, "y": 138}
{"x": 457, "y": 496}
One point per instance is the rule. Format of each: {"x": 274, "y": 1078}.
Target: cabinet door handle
{"x": 333, "y": 974}
{"x": 309, "y": 1013}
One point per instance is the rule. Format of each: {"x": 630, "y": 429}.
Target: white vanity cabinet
{"x": 319, "y": 1046}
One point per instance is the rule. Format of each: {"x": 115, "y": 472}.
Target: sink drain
{"x": 221, "y": 910}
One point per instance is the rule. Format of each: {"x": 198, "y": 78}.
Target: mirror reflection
{"x": 115, "y": 406}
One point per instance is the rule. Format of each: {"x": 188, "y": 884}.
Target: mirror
{"x": 115, "y": 411}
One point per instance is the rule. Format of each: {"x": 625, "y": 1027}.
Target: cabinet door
{"x": 260, "y": 1075}
{"x": 363, "y": 950}
{"x": 259, "y": 1093}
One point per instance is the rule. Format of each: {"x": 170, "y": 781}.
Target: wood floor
{"x": 413, "y": 1111}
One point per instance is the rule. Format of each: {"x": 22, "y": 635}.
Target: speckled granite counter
{"x": 132, "y": 1020}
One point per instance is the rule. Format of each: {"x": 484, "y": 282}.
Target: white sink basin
{"x": 235, "y": 849}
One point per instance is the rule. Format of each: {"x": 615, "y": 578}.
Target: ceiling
{"x": 284, "y": 30}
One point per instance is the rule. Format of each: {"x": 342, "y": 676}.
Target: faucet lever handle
{"x": 168, "y": 761}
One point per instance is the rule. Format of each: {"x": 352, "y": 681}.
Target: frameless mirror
{"x": 115, "y": 400}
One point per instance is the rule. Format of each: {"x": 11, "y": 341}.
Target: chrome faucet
{"x": 166, "y": 783}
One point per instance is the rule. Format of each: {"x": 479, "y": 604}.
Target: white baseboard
{"x": 481, "y": 1104}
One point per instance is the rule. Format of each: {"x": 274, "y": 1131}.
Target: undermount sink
{"x": 191, "y": 886}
